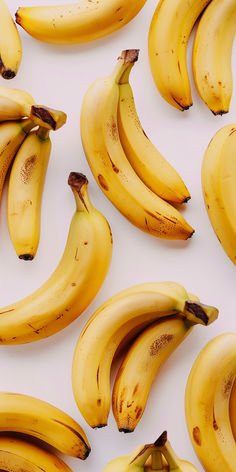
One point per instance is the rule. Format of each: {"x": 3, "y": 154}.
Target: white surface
{"x": 58, "y": 77}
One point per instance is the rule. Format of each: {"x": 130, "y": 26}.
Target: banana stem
{"x": 171, "y": 457}
{"x": 78, "y": 183}
{"x": 27, "y": 125}
{"x": 199, "y": 313}
{"x": 157, "y": 463}
{"x": 43, "y": 133}
{"x": 142, "y": 456}
{"x": 124, "y": 65}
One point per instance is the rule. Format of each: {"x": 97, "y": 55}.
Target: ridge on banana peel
{"x": 74, "y": 283}
{"x": 78, "y": 22}
{"x": 169, "y": 33}
{"x": 121, "y": 318}
{"x": 218, "y": 171}
{"x": 207, "y": 404}
{"x": 212, "y": 51}
{"x": 17, "y": 455}
{"x": 110, "y": 166}
{"x": 152, "y": 168}
{"x": 28, "y": 415}
{"x": 10, "y": 44}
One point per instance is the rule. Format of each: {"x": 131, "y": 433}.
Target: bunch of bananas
{"x": 169, "y": 32}
{"x": 36, "y": 418}
{"x": 112, "y": 327}
{"x": 149, "y": 457}
{"x": 127, "y": 167}
{"x": 210, "y": 404}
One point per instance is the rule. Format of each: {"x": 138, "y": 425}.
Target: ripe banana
{"x": 25, "y": 193}
{"x": 140, "y": 366}
{"x": 148, "y": 163}
{"x": 110, "y": 166}
{"x": 29, "y": 415}
{"x": 12, "y": 135}
{"x": 17, "y": 95}
{"x": 74, "y": 283}
{"x": 77, "y": 22}
{"x": 127, "y": 312}
{"x": 218, "y": 171}
{"x": 17, "y": 455}
{"x": 169, "y": 32}
{"x": 10, "y": 44}
{"x": 207, "y": 404}
{"x": 212, "y": 53}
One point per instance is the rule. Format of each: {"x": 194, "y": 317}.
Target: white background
{"x": 58, "y": 77}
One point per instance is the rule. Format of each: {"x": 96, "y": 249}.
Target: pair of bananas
{"x": 30, "y": 150}
{"x": 218, "y": 182}
{"x": 164, "y": 313}
{"x": 149, "y": 457}
{"x": 170, "y": 29}
{"x": 127, "y": 167}
{"x": 210, "y": 404}
{"x": 37, "y": 419}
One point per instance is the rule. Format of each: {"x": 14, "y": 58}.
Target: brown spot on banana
{"x": 197, "y": 436}
{"x": 27, "y": 169}
{"x": 227, "y": 385}
{"x": 103, "y": 182}
{"x": 87, "y": 448}
{"x": 160, "y": 343}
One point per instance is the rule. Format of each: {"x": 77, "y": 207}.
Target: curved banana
{"x": 152, "y": 168}
{"x": 212, "y": 53}
{"x": 110, "y": 166}
{"x": 17, "y": 95}
{"x": 12, "y": 135}
{"x": 127, "y": 312}
{"x": 25, "y": 193}
{"x": 17, "y": 455}
{"x": 140, "y": 366}
{"x": 10, "y": 44}
{"x": 74, "y": 283}
{"x": 169, "y": 32}
{"x": 77, "y": 22}
{"x": 207, "y": 404}
{"x": 29, "y": 415}
{"x": 218, "y": 171}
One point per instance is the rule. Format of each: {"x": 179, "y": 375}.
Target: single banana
{"x": 17, "y": 455}
{"x": 12, "y": 135}
{"x": 77, "y": 22}
{"x": 10, "y": 44}
{"x": 127, "y": 312}
{"x": 25, "y": 193}
{"x": 169, "y": 32}
{"x": 74, "y": 283}
{"x": 218, "y": 170}
{"x": 110, "y": 166}
{"x": 152, "y": 168}
{"x": 29, "y": 415}
{"x": 207, "y": 404}
{"x": 17, "y": 95}
{"x": 212, "y": 53}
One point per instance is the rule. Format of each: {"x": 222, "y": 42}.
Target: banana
{"x": 140, "y": 366}
{"x": 12, "y": 135}
{"x": 17, "y": 455}
{"x": 169, "y": 32}
{"x": 10, "y": 44}
{"x": 17, "y": 95}
{"x": 25, "y": 193}
{"x": 207, "y": 404}
{"x": 232, "y": 410}
{"x": 74, "y": 283}
{"x": 218, "y": 170}
{"x": 212, "y": 53}
{"x": 127, "y": 312}
{"x": 110, "y": 166}
{"x": 148, "y": 163}
{"x": 77, "y": 22}
{"x": 29, "y": 415}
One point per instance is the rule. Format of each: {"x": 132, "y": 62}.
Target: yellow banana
{"x": 148, "y": 163}
{"x": 169, "y": 32}
{"x": 17, "y": 95}
{"x": 77, "y": 22}
{"x": 127, "y": 312}
{"x": 25, "y": 193}
{"x": 232, "y": 410}
{"x": 74, "y": 283}
{"x": 17, "y": 455}
{"x": 212, "y": 53}
{"x": 10, "y": 44}
{"x": 110, "y": 166}
{"x": 12, "y": 135}
{"x": 218, "y": 171}
{"x": 29, "y": 415}
{"x": 207, "y": 404}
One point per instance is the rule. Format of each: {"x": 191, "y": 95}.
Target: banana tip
{"x": 129, "y": 55}
{"x": 126, "y": 430}
{"x": 8, "y": 74}
{"x": 99, "y": 426}
{"x": 77, "y": 180}
{"x": 17, "y": 16}
{"x": 87, "y": 452}
{"x": 26, "y": 257}
{"x": 186, "y": 199}
{"x": 220, "y": 112}
{"x": 160, "y": 442}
